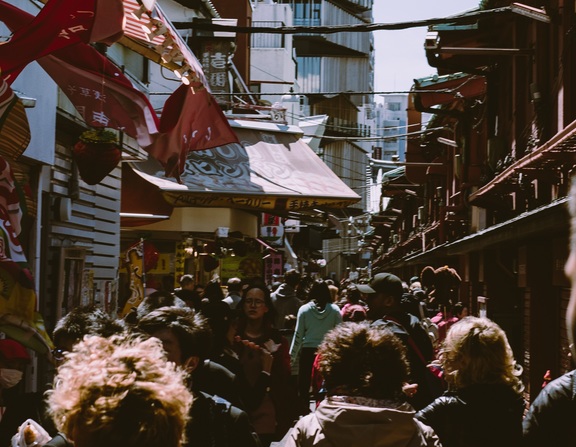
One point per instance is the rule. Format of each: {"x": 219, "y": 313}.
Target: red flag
{"x": 191, "y": 121}
{"x": 104, "y": 97}
{"x": 97, "y": 88}
{"x": 59, "y": 23}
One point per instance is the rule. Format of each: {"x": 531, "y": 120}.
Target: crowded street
{"x": 287, "y": 223}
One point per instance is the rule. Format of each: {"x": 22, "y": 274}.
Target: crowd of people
{"x": 304, "y": 363}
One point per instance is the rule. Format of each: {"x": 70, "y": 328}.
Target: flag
{"x": 191, "y": 120}
{"x": 101, "y": 94}
{"x": 60, "y": 23}
{"x": 99, "y": 90}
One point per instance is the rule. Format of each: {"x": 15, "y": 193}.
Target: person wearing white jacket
{"x": 364, "y": 369}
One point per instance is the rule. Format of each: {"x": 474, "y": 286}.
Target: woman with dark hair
{"x": 262, "y": 350}
{"x": 314, "y": 320}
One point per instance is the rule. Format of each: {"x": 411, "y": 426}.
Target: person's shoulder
{"x": 561, "y": 388}
{"x": 217, "y": 369}
{"x": 59, "y": 441}
{"x": 446, "y": 402}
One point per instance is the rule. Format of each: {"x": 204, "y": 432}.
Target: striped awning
{"x": 164, "y": 45}
{"x": 14, "y": 128}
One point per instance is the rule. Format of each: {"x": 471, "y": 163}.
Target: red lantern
{"x": 146, "y": 250}
{"x": 151, "y": 256}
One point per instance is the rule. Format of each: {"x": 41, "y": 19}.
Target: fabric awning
{"x": 272, "y": 169}
{"x": 448, "y": 88}
{"x": 155, "y": 46}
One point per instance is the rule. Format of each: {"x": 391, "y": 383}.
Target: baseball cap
{"x": 12, "y": 350}
{"x": 383, "y": 283}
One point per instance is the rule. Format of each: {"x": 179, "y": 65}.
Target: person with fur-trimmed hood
{"x": 364, "y": 369}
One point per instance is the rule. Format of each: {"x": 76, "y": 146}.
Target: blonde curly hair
{"x": 476, "y": 351}
{"x": 120, "y": 392}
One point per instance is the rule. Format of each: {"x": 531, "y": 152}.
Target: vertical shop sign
{"x": 180, "y": 262}
{"x": 214, "y": 61}
{"x": 135, "y": 266}
{"x": 272, "y": 266}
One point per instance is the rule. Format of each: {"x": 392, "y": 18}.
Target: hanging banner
{"x": 135, "y": 265}
{"x": 179, "y": 262}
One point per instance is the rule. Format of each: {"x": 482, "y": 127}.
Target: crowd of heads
{"x": 120, "y": 391}
{"x": 125, "y": 382}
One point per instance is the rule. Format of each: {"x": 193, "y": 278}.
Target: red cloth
{"x": 101, "y": 93}
{"x": 103, "y": 96}
{"x": 12, "y": 350}
{"x": 191, "y": 121}
{"x": 60, "y": 23}
{"x": 191, "y": 118}
{"x": 317, "y": 380}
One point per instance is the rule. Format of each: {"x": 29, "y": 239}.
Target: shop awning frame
{"x": 556, "y": 152}
{"x": 272, "y": 169}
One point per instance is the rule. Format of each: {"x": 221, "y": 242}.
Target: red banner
{"x": 60, "y": 23}
{"x": 191, "y": 121}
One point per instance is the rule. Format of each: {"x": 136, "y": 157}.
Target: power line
{"x": 347, "y": 92}
{"x": 377, "y": 138}
{"x": 458, "y": 19}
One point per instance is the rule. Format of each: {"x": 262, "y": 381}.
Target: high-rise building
{"x": 391, "y": 123}
{"x": 336, "y": 76}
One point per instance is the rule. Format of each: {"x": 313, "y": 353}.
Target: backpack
{"x": 429, "y": 327}
{"x": 224, "y": 419}
{"x": 221, "y": 420}
{"x": 430, "y": 383}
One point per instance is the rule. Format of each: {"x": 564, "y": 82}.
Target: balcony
{"x": 268, "y": 40}
{"x": 337, "y": 44}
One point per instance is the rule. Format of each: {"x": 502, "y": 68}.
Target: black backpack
{"x": 430, "y": 385}
{"x": 223, "y": 417}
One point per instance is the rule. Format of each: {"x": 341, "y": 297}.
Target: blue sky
{"x": 400, "y": 54}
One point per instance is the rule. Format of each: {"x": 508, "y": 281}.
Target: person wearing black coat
{"x": 383, "y": 296}
{"x": 484, "y": 405}
{"x": 550, "y": 419}
{"x": 187, "y": 338}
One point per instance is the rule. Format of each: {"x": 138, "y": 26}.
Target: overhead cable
{"x": 458, "y": 19}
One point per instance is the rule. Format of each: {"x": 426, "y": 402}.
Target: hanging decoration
{"x": 96, "y": 154}
{"x": 140, "y": 258}
{"x": 18, "y": 300}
